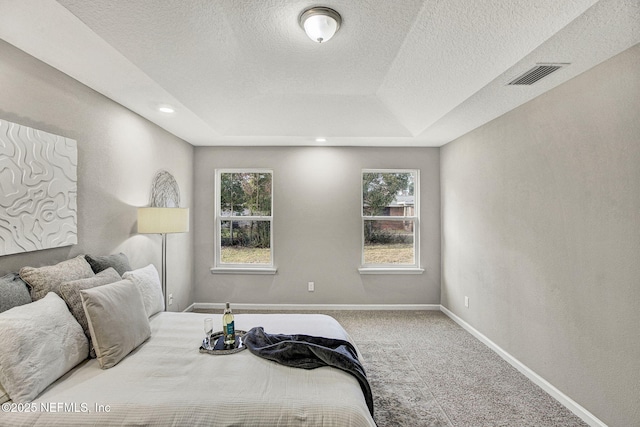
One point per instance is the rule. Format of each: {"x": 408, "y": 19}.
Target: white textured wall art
{"x": 38, "y": 189}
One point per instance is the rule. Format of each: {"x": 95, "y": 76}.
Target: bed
{"x": 166, "y": 381}
{"x": 87, "y": 342}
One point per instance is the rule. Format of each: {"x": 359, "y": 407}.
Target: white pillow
{"x": 41, "y": 341}
{"x": 148, "y": 283}
{"x": 117, "y": 320}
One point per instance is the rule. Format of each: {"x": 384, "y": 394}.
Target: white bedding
{"x": 166, "y": 381}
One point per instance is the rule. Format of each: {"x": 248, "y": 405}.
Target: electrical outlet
{"x": 312, "y": 286}
{"x": 170, "y": 299}
{"x": 466, "y": 301}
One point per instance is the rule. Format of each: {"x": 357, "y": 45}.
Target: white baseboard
{"x": 310, "y": 307}
{"x": 190, "y": 308}
{"x": 565, "y": 400}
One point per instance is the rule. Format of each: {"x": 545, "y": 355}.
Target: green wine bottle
{"x": 228, "y": 327}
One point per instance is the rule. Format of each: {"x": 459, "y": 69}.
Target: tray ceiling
{"x": 409, "y": 73}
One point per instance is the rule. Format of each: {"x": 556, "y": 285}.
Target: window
{"x": 390, "y": 222}
{"x": 244, "y": 220}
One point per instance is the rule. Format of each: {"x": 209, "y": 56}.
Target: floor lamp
{"x": 163, "y": 221}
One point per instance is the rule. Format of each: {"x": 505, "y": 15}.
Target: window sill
{"x": 241, "y": 270}
{"x": 390, "y": 270}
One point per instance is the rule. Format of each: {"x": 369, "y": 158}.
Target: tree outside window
{"x": 390, "y": 218}
{"x": 244, "y": 218}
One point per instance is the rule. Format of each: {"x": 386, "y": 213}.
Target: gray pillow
{"x": 118, "y": 262}
{"x": 117, "y": 320}
{"x": 4, "y": 397}
{"x": 70, "y": 293}
{"x": 13, "y": 292}
{"x": 45, "y": 279}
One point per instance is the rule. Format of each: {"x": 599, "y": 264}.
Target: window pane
{"x": 388, "y": 242}
{"x": 388, "y": 194}
{"x": 245, "y": 242}
{"x": 245, "y": 194}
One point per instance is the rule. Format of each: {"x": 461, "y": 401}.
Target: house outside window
{"x": 390, "y": 221}
{"x": 244, "y": 220}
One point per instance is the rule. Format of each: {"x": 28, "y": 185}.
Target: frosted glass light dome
{"x": 320, "y": 23}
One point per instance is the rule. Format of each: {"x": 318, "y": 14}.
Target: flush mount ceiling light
{"x": 320, "y": 23}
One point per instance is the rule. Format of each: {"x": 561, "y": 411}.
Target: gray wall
{"x": 540, "y": 223}
{"x": 317, "y": 227}
{"x": 119, "y": 152}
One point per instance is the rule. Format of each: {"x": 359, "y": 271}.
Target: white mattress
{"x": 166, "y": 381}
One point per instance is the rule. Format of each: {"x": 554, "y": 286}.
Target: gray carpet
{"x": 425, "y": 370}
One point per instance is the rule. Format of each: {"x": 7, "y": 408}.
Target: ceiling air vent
{"x": 536, "y": 74}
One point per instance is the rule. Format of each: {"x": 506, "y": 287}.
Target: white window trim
{"x": 393, "y": 268}
{"x": 243, "y": 270}
{"x": 230, "y": 268}
{"x": 390, "y": 270}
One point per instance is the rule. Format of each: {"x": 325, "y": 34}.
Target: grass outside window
{"x": 244, "y": 255}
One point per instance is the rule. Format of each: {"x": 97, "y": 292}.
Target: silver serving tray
{"x": 239, "y": 345}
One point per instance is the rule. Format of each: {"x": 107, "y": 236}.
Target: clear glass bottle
{"x": 228, "y": 327}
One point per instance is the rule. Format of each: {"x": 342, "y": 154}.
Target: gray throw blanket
{"x": 309, "y": 352}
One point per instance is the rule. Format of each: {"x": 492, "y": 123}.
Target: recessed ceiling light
{"x": 166, "y": 109}
{"x": 321, "y": 139}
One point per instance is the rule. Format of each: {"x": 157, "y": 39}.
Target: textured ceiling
{"x": 240, "y": 72}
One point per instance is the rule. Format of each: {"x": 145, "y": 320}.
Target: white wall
{"x": 541, "y": 229}
{"x": 119, "y": 153}
{"x": 317, "y": 193}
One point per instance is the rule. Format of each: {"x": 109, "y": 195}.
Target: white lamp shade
{"x": 163, "y": 220}
{"x": 320, "y": 28}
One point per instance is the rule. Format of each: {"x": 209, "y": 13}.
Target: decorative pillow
{"x": 4, "y": 397}
{"x": 41, "y": 341}
{"x": 148, "y": 283}
{"x": 117, "y": 320}
{"x": 119, "y": 262}
{"x": 44, "y": 279}
{"x": 13, "y": 292}
{"x": 70, "y": 293}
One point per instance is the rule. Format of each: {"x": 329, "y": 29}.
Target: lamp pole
{"x": 164, "y": 269}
